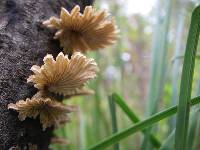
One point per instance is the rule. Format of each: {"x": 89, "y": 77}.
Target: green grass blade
{"x": 186, "y": 83}
{"x": 159, "y": 57}
{"x": 193, "y": 135}
{"x": 133, "y": 117}
{"x": 182, "y": 57}
{"x": 97, "y": 104}
{"x": 159, "y": 64}
{"x": 192, "y": 128}
{"x": 196, "y": 144}
{"x": 139, "y": 126}
{"x": 114, "y": 119}
{"x": 176, "y": 61}
{"x": 168, "y": 144}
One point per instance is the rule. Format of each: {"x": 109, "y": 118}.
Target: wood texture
{"x": 24, "y": 42}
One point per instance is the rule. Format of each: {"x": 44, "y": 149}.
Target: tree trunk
{"x": 24, "y": 42}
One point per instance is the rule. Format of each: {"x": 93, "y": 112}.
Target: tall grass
{"x": 181, "y": 133}
{"x": 138, "y": 127}
{"x": 159, "y": 64}
{"x": 113, "y": 118}
{"x": 178, "y": 51}
{"x": 184, "y": 100}
{"x": 133, "y": 117}
{"x": 100, "y": 125}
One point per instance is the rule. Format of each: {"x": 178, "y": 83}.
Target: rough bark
{"x": 24, "y": 42}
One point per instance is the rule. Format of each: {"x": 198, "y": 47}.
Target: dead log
{"x": 24, "y": 42}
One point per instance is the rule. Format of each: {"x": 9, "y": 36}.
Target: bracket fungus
{"x": 64, "y": 76}
{"x": 51, "y": 113}
{"x": 91, "y": 30}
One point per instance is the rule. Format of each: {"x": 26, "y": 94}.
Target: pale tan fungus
{"x": 64, "y": 76}
{"x": 91, "y": 30}
{"x": 51, "y": 113}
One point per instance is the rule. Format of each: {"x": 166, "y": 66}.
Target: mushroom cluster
{"x": 66, "y": 75}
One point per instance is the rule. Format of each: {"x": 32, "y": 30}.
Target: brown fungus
{"x": 91, "y": 30}
{"x": 64, "y": 76}
{"x": 51, "y": 113}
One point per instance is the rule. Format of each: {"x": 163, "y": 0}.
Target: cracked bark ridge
{"x": 23, "y": 43}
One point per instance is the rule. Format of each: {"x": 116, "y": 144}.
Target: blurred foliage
{"x": 126, "y": 68}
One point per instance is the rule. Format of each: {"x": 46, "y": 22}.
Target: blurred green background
{"x": 144, "y": 67}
